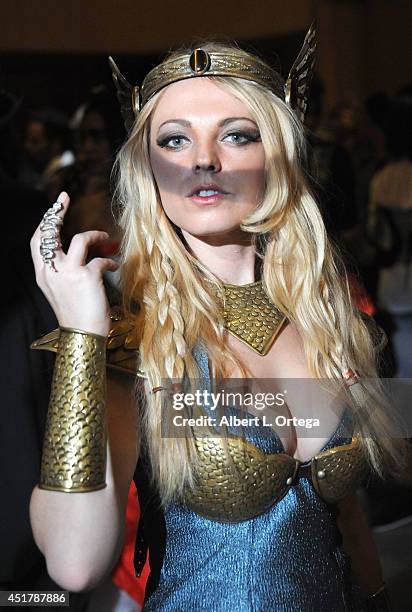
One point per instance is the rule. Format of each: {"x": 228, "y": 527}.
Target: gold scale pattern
{"x": 122, "y": 344}
{"x": 250, "y": 315}
{"x": 242, "y": 482}
{"x": 342, "y": 469}
{"x": 74, "y": 447}
{"x": 239, "y": 483}
{"x": 236, "y": 481}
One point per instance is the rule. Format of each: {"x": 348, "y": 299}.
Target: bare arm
{"x": 358, "y": 543}
{"x": 81, "y": 534}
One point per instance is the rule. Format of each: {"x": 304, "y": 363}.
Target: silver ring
{"x": 50, "y": 230}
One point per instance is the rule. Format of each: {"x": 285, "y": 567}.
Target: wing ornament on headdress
{"x": 300, "y": 76}
{"x": 128, "y": 96}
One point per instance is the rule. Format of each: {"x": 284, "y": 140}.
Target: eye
{"x": 172, "y": 142}
{"x": 242, "y": 137}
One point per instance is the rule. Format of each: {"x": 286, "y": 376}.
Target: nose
{"x": 206, "y": 158}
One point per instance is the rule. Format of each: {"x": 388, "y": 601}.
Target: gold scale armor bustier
{"x": 236, "y": 481}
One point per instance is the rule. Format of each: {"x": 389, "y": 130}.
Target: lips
{"x": 207, "y": 190}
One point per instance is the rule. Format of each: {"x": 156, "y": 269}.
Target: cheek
{"x": 168, "y": 176}
{"x": 260, "y": 176}
{"x": 253, "y": 179}
{"x": 167, "y": 172}
{"x": 248, "y": 170}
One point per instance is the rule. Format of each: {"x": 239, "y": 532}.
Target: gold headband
{"x": 200, "y": 62}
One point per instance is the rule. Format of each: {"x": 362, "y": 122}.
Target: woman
{"x": 212, "y": 195}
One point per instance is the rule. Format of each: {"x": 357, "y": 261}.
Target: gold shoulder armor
{"x": 121, "y": 348}
{"x": 122, "y": 344}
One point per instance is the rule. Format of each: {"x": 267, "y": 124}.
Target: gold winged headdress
{"x": 200, "y": 62}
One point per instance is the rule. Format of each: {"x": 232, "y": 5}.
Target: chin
{"x": 210, "y": 230}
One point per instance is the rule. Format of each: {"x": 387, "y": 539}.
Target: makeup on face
{"x": 207, "y": 156}
{"x": 238, "y": 131}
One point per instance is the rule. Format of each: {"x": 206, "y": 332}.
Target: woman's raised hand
{"x": 73, "y": 287}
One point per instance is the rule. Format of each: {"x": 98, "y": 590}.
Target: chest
{"x": 283, "y": 370}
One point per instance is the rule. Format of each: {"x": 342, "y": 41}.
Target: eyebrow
{"x": 222, "y": 123}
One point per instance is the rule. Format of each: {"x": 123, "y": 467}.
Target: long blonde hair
{"x": 301, "y": 272}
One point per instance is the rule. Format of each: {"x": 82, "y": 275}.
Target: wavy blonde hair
{"x": 301, "y": 272}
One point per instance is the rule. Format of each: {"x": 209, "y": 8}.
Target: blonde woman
{"x": 220, "y": 234}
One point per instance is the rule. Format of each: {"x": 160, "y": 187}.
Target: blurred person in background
{"x": 46, "y": 147}
{"x": 390, "y": 228}
{"x": 333, "y": 180}
{"x": 389, "y": 223}
{"x": 97, "y": 133}
{"x": 331, "y": 168}
{"x": 24, "y": 381}
{"x": 9, "y": 151}
{"x": 353, "y": 130}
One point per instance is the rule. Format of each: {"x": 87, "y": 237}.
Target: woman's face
{"x": 207, "y": 158}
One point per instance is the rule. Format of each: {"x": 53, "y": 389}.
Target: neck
{"x": 231, "y": 258}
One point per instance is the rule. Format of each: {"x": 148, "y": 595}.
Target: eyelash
{"x": 249, "y": 136}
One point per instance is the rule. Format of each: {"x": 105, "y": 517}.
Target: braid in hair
{"x": 165, "y": 347}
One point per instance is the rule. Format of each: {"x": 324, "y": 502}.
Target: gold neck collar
{"x": 250, "y": 315}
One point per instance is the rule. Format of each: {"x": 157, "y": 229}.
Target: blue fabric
{"x": 286, "y": 560}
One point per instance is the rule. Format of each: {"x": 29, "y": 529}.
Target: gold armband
{"x": 74, "y": 448}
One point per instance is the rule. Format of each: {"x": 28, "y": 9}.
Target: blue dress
{"x": 288, "y": 559}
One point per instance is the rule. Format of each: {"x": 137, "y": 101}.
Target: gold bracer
{"x": 74, "y": 448}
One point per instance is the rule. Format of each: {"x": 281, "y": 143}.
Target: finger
{"x": 79, "y": 246}
{"x": 47, "y": 233}
{"x": 64, "y": 200}
{"x": 103, "y": 264}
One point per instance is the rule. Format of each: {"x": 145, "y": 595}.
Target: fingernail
{"x": 61, "y": 197}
